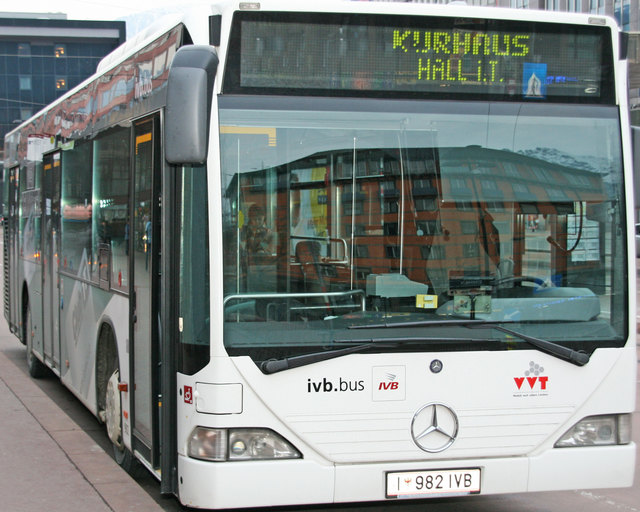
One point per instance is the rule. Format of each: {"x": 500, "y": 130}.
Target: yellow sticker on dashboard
{"x": 427, "y": 301}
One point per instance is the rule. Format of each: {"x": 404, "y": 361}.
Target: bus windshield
{"x": 340, "y": 214}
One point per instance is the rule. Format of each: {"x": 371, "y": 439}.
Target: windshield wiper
{"x": 420, "y": 323}
{"x": 286, "y": 363}
{"x": 548, "y": 347}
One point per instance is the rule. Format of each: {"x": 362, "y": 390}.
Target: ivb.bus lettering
{"x": 327, "y": 386}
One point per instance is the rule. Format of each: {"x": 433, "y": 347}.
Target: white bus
{"x": 361, "y": 252}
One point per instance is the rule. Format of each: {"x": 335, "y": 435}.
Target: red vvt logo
{"x": 533, "y": 378}
{"x": 532, "y": 381}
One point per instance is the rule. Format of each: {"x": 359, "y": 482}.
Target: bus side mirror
{"x": 188, "y": 109}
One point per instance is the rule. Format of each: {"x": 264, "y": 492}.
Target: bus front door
{"x": 50, "y": 244}
{"x": 144, "y": 304}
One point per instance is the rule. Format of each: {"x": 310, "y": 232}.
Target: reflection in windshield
{"x": 365, "y": 212}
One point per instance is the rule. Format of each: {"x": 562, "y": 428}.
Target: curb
{"x": 54, "y": 431}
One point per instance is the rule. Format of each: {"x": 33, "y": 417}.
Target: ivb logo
{"x": 389, "y": 383}
{"x": 534, "y": 383}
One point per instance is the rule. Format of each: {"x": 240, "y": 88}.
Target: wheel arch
{"x": 107, "y": 360}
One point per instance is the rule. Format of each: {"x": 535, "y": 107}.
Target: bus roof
{"x": 192, "y": 15}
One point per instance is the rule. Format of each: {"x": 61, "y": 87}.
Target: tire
{"x": 113, "y": 423}
{"x": 36, "y": 368}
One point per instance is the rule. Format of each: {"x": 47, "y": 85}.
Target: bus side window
{"x": 110, "y": 209}
{"x": 76, "y": 212}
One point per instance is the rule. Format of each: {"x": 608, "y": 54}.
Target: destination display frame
{"x": 369, "y": 55}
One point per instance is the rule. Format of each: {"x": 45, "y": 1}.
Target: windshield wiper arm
{"x": 549, "y": 347}
{"x": 286, "y": 363}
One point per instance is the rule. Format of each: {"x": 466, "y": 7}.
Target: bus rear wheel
{"x": 36, "y": 368}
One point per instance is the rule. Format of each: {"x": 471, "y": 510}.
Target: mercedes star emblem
{"x": 434, "y": 427}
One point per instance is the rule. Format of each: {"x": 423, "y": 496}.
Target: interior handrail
{"x": 344, "y": 261}
{"x": 244, "y": 296}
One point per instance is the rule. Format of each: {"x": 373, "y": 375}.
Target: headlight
{"x": 219, "y": 444}
{"x": 598, "y": 431}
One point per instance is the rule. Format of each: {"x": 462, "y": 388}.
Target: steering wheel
{"x": 518, "y": 280}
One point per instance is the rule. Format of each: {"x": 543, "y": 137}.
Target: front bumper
{"x": 304, "y": 481}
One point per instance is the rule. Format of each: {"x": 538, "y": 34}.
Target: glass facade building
{"x": 626, "y": 12}
{"x": 41, "y": 59}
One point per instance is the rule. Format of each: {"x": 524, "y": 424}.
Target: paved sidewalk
{"x": 47, "y": 462}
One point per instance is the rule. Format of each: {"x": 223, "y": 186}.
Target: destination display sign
{"x": 419, "y": 56}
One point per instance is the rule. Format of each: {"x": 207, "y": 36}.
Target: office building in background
{"x": 44, "y": 55}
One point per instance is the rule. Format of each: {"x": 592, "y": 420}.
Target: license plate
{"x": 439, "y": 482}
